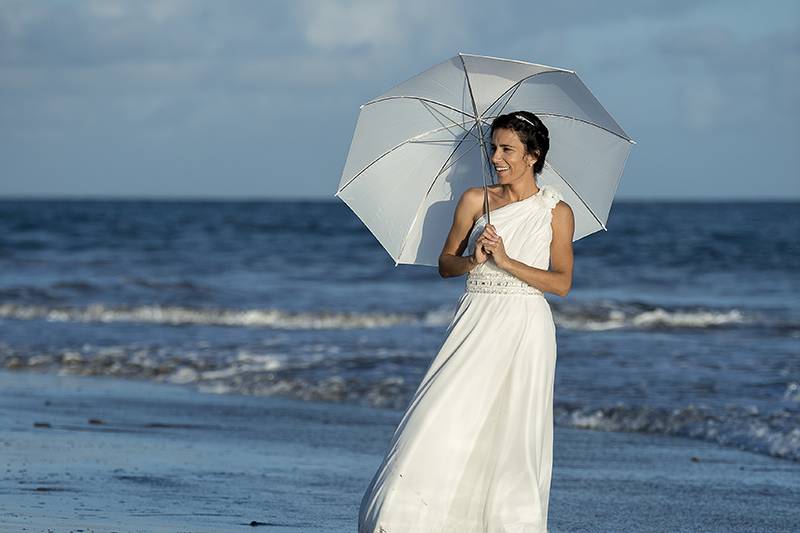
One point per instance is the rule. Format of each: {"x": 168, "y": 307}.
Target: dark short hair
{"x": 535, "y": 138}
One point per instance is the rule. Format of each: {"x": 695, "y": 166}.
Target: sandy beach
{"x": 103, "y": 454}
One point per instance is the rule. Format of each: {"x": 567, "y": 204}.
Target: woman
{"x": 473, "y": 451}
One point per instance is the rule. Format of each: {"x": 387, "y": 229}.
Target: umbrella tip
{"x": 632, "y": 141}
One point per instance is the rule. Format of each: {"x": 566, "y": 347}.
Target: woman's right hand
{"x": 480, "y": 256}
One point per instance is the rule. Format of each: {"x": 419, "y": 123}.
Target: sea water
{"x": 683, "y": 318}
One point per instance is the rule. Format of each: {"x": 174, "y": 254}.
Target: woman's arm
{"x": 450, "y": 261}
{"x": 558, "y": 279}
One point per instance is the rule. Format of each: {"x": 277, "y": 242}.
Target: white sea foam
{"x": 792, "y": 392}
{"x": 687, "y": 319}
{"x": 585, "y": 318}
{"x": 249, "y": 372}
{"x": 776, "y": 434}
{"x": 658, "y": 318}
{"x": 174, "y": 315}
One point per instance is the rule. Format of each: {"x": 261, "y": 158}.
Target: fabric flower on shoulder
{"x": 551, "y": 195}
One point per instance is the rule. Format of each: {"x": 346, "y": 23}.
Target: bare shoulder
{"x": 563, "y": 211}
{"x": 472, "y": 201}
{"x": 563, "y": 219}
{"x": 472, "y": 195}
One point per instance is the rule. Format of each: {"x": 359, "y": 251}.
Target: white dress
{"x": 473, "y": 451}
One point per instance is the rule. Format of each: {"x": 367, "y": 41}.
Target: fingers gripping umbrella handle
{"x": 486, "y": 203}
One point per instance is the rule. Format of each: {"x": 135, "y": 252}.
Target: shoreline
{"x": 109, "y": 454}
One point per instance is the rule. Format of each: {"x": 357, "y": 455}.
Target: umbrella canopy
{"x": 420, "y": 145}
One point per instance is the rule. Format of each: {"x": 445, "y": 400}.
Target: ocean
{"x": 683, "y": 318}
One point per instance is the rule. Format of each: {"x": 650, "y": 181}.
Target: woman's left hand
{"x": 495, "y": 247}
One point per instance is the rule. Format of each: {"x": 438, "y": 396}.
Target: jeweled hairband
{"x": 525, "y": 119}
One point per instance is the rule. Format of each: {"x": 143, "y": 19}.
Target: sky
{"x": 259, "y": 99}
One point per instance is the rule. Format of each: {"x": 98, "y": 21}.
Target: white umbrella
{"x": 417, "y": 147}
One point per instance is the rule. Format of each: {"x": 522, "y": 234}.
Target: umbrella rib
{"x": 598, "y": 126}
{"x": 420, "y": 98}
{"x": 513, "y": 92}
{"x": 445, "y": 166}
{"x": 520, "y": 62}
{"x": 442, "y": 141}
{"x": 432, "y": 109}
{"x": 520, "y": 82}
{"x": 625, "y": 135}
{"x": 478, "y": 118}
{"x": 514, "y": 88}
{"x": 577, "y": 194}
{"x": 390, "y": 150}
{"x": 432, "y": 141}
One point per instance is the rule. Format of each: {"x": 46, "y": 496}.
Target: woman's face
{"x": 511, "y": 161}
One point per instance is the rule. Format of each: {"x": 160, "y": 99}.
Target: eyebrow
{"x": 504, "y": 145}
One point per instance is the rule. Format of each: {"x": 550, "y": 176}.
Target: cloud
{"x": 176, "y": 69}
{"x": 157, "y": 11}
{"x": 373, "y": 25}
{"x": 725, "y": 78}
{"x": 102, "y": 32}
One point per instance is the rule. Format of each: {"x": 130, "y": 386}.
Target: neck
{"x": 521, "y": 189}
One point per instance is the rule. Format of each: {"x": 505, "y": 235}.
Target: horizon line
{"x": 335, "y": 199}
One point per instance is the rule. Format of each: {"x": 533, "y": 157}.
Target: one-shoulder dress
{"x": 473, "y": 451}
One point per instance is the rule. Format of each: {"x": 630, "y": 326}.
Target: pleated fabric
{"x": 473, "y": 451}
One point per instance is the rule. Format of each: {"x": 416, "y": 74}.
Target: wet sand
{"x": 104, "y": 454}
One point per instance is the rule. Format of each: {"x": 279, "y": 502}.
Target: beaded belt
{"x": 499, "y": 283}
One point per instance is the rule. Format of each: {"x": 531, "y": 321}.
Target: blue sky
{"x": 252, "y": 99}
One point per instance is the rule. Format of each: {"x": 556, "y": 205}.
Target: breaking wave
{"x": 775, "y": 433}
{"x": 319, "y": 378}
{"x": 594, "y": 317}
{"x": 181, "y": 316}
